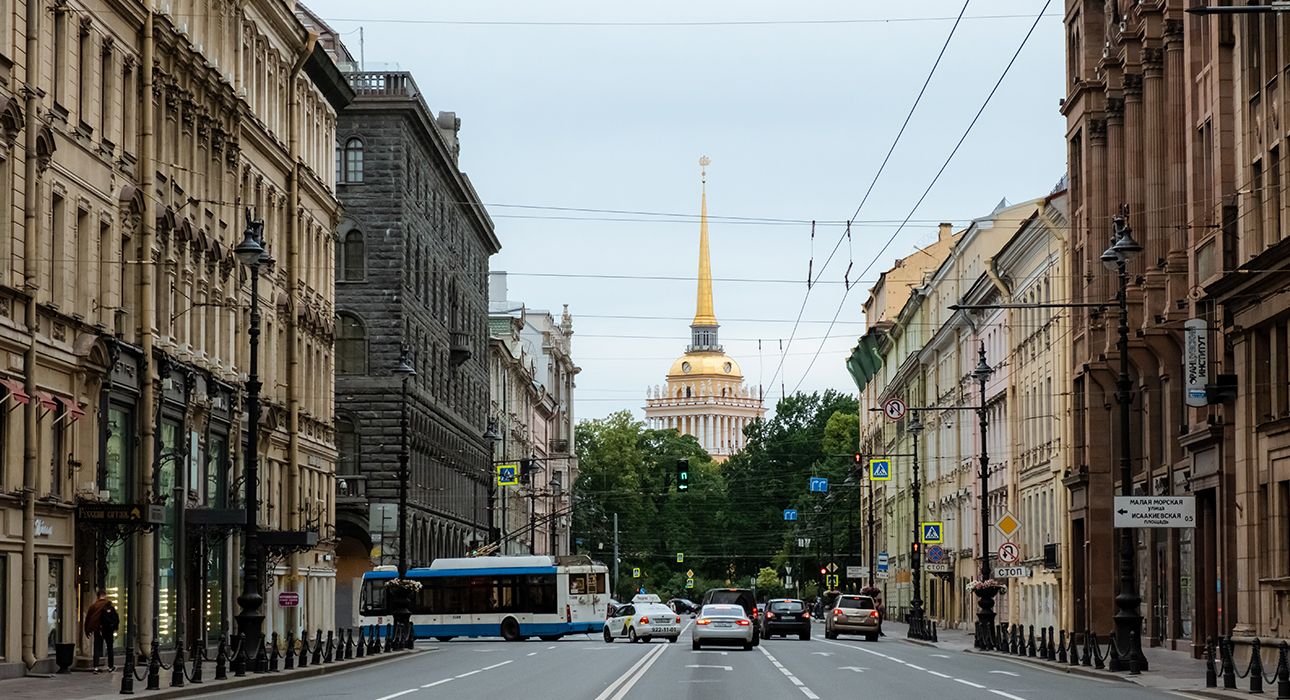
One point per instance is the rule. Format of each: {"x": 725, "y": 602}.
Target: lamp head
{"x": 249, "y": 251}
{"x": 915, "y": 427}
{"x": 404, "y": 369}
{"x": 983, "y": 370}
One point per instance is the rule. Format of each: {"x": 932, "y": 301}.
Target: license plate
{"x": 665, "y": 630}
{"x": 723, "y": 624}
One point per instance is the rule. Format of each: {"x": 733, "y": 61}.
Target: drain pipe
{"x": 145, "y": 583}
{"x": 31, "y": 285}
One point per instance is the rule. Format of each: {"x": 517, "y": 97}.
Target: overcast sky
{"x": 796, "y": 115}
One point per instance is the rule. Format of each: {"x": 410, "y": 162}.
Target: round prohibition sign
{"x": 894, "y": 408}
{"x": 1009, "y": 553}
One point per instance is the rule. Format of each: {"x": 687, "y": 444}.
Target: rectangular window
{"x": 105, "y": 94}
{"x": 84, "y": 76}
{"x": 4, "y": 597}
{"x": 60, "y": 56}
{"x": 57, "y": 252}
{"x": 166, "y": 590}
{"x": 57, "y": 450}
{"x": 217, "y": 471}
{"x": 129, "y": 108}
{"x": 54, "y": 603}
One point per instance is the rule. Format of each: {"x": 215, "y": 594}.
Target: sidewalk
{"x": 84, "y": 685}
{"x": 1170, "y": 670}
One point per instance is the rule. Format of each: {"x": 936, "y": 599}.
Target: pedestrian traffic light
{"x": 915, "y": 549}
{"x": 682, "y": 475}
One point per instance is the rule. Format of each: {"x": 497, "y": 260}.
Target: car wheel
{"x": 672, "y": 640}
{"x": 873, "y": 637}
{"x": 694, "y": 645}
{"x": 748, "y": 646}
{"x": 830, "y": 635}
{"x": 511, "y": 630}
{"x": 631, "y": 636}
{"x": 805, "y": 636}
{"x": 609, "y": 638}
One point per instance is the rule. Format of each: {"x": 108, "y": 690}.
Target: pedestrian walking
{"x": 102, "y": 621}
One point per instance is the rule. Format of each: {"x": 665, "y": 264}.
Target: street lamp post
{"x": 554, "y": 484}
{"x": 985, "y": 596}
{"x": 1128, "y": 619}
{"x": 401, "y": 613}
{"x": 250, "y": 619}
{"x": 916, "y": 565}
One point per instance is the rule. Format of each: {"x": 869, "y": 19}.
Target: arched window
{"x": 350, "y": 265}
{"x": 351, "y": 161}
{"x": 351, "y": 345}
{"x": 347, "y": 448}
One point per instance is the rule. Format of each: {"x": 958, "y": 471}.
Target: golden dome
{"x": 706, "y": 364}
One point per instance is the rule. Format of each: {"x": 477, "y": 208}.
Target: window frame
{"x": 342, "y": 364}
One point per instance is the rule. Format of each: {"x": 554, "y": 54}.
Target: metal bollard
{"x": 239, "y": 656}
{"x": 328, "y": 650}
{"x": 389, "y": 637}
{"x": 154, "y": 667}
{"x": 1211, "y": 673}
{"x": 1283, "y": 671}
{"x": 261, "y": 656}
{"x": 273, "y": 654}
{"x": 1114, "y": 664}
{"x": 1043, "y": 643}
{"x": 1030, "y": 647}
{"x": 1256, "y": 666}
{"x": 1061, "y": 647}
{"x": 1074, "y": 651}
{"x": 1134, "y": 670}
{"x": 289, "y": 651}
{"x": 1052, "y": 644}
{"x": 373, "y": 643}
{"x": 349, "y": 643}
{"x": 304, "y": 648}
{"x": 318, "y": 648}
{"x": 199, "y": 655}
{"x": 362, "y": 643}
{"x": 221, "y": 659}
{"x": 177, "y": 666}
{"x": 127, "y": 674}
{"x": 1016, "y": 642}
{"x": 1088, "y": 648}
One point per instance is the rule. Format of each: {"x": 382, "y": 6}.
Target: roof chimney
{"x": 947, "y": 230}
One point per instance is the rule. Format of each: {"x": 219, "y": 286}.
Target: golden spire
{"x": 703, "y": 315}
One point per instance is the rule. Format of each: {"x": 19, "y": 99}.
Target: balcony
{"x": 397, "y": 84}
{"x": 458, "y": 348}
{"x": 351, "y": 488}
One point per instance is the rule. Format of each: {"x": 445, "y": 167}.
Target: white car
{"x": 722, "y": 624}
{"x": 642, "y": 622}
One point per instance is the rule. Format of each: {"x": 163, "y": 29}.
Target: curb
{"x": 920, "y": 643}
{"x": 250, "y": 680}
{"x": 1064, "y": 668}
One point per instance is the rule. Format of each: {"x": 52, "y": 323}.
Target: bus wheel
{"x": 549, "y": 637}
{"x": 444, "y": 639}
{"x": 511, "y": 630}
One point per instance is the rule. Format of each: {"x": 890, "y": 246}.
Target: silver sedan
{"x": 722, "y": 624}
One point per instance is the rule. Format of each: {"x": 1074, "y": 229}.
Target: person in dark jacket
{"x": 102, "y": 621}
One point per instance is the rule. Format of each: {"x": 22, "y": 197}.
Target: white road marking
{"x": 941, "y": 675}
{"x": 431, "y": 685}
{"x": 709, "y": 651}
{"x": 1008, "y": 673}
{"x": 532, "y": 653}
{"x": 785, "y": 671}
{"x": 706, "y": 666}
{"x": 551, "y": 647}
{"x": 1006, "y": 695}
{"x": 823, "y": 653}
{"x": 632, "y": 681}
{"x": 857, "y": 669}
{"x": 489, "y": 668}
{"x": 916, "y": 668}
{"x": 405, "y": 692}
{"x": 974, "y": 685}
{"x": 470, "y": 673}
{"x": 940, "y": 656}
{"x": 809, "y": 694}
{"x": 800, "y": 685}
{"x": 614, "y": 686}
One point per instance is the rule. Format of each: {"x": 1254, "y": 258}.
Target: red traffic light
{"x": 858, "y": 459}
{"x": 822, "y": 570}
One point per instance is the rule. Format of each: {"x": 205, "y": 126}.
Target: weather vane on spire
{"x": 703, "y": 162}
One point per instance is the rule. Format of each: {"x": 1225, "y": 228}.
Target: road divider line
{"x": 613, "y": 686}
{"x": 974, "y": 685}
{"x": 532, "y": 653}
{"x": 1010, "y": 696}
{"x": 916, "y": 668}
{"x": 489, "y": 668}
{"x": 651, "y": 658}
{"x": 789, "y": 674}
{"x": 809, "y": 694}
{"x": 941, "y": 675}
{"x": 468, "y": 673}
{"x": 395, "y": 695}
{"x": 431, "y": 685}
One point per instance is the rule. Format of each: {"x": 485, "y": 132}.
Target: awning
{"x": 47, "y": 400}
{"x": 70, "y": 409}
{"x": 16, "y": 390}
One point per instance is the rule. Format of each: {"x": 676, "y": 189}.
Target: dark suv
{"x": 786, "y": 616}
{"x": 743, "y": 597}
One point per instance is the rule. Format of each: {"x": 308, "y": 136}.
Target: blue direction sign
{"x": 882, "y": 561}
{"x": 880, "y": 469}
{"x": 819, "y": 483}
{"x": 931, "y": 533}
{"x": 790, "y": 514}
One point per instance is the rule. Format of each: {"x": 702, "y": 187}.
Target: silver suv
{"x": 852, "y": 614}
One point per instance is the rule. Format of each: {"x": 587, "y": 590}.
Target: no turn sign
{"x": 894, "y": 408}
{"x": 1009, "y": 553}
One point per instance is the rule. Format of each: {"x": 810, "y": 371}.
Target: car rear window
{"x": 723, "y": 611}
{"x": 861, "y": 603}
{"x": 788, "y": 606}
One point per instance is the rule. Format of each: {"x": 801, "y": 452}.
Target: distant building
{"x": 705, "y": 395}
{"x": 411, "y": 287}
{"x": 532, "y": 374}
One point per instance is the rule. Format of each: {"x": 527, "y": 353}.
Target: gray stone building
{"x": 411, "y": 286}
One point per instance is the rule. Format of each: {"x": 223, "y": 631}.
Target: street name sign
{"x": 1011, "y": 572}
{"x": 857, "y": 572}
{"x": 819, "y": 483}
{"x": 1155, "y": 511}
{"x": 790, "y": 514}
{"x": 880, "y": 469}
{"x": 121, "y": 513}
{"x": 288, "y": 599}
{"x": 894, "y": 408}
{"x": 883, "y": 574}
{"x": 937, "y": 568}
{"x": 1009, "y": 553}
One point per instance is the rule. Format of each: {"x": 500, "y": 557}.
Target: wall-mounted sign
{"x": 1196, "y": 361}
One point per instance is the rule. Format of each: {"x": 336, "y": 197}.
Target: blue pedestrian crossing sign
{"x": 880, "y": 469}
{"x": 831, "y": 580}
{"x": 819, "y": 483}
{"x": 508, "y": 474}
{"x": 636, "y": 573}
{"x": 931, "y": 533}
{"x": 689, "y": 583}
{"x": 790, "y": 514}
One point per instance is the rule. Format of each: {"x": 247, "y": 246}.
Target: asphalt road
{"x": 586, "y": 668}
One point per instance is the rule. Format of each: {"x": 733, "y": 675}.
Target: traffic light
{"x": 916, "y": 545}
{"x": 526, "y": 469}
{"x": 682, "y": 475}
{"x": 823, "y": 571}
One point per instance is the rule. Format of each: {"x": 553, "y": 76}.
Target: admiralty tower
{"x": 705, "y": 395}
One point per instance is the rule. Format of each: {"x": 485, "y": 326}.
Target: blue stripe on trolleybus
{"x": 494, "y": 630}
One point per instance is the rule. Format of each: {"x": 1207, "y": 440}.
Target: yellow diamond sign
{"x": 1008, "y": 524}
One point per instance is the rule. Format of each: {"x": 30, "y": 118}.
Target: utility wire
{"x": 717, "y": 23}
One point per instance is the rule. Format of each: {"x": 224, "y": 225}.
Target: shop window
{"x": 54, "y": 603}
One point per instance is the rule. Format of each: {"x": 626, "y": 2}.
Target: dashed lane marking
{"x": 469, "y": 673}
{"x": 489, "y": 668}
{"x": 974, "y": 685}
{"x": 395, "y": 695}
{"x": 789, "y": 674}
{"x": 532, "y": 653}
{"x": 1010, "y": 696}
{"x": 1007, "y": 673}
{"x": 431, "y": 685}
{"x": 728, "y": 668}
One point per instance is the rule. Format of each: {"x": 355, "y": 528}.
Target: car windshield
{"x": 723, "y": 611}
{"x": 861, "y": 603}
{"x": 787, "y": 606}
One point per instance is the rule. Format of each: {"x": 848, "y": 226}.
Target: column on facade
{"x": 1115, "y": 192}
{"x": 1133, "y": 144}
{"x": 1155, "y": 166}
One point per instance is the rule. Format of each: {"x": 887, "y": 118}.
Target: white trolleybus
{"x": 511, "y": 597}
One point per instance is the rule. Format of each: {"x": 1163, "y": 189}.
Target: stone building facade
{"x": 532, "y": 379}
{"x": 124, "y": 178}
{"x": 411, "y": 270}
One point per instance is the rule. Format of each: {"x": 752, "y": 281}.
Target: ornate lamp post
{"x": 1128, "y": 619}
{"x": 402, "y": 616}
{"x": 916, "y": 555}
{"x": 250, "y": 620}
{"x": 985, "y": 596}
